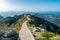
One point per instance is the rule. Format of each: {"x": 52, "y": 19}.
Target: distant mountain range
{"x": 6, "y": 14}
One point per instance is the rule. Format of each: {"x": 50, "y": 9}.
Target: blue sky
{"x": 30, "y": 5}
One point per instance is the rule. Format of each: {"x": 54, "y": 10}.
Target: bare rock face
{"x": 11, "y": 35}
{"x": 1, "y": 33}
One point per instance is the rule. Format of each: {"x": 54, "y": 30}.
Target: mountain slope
{"x": 51, "y": 17}
{"x": 43, "y": 29}
{"x": 38, "y": 26}
{"x": 37, "y": 21}
{"x": 10, "y": 22}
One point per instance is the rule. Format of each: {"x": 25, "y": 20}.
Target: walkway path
{"x": 25, "y": 33}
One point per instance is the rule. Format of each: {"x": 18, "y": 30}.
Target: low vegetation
{"x": 18, "y": 25}
{"x": 12, "y": 23}
{"x": 42, "y": 34}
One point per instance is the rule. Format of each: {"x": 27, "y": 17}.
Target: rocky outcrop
{"x": 11, "y": 35}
